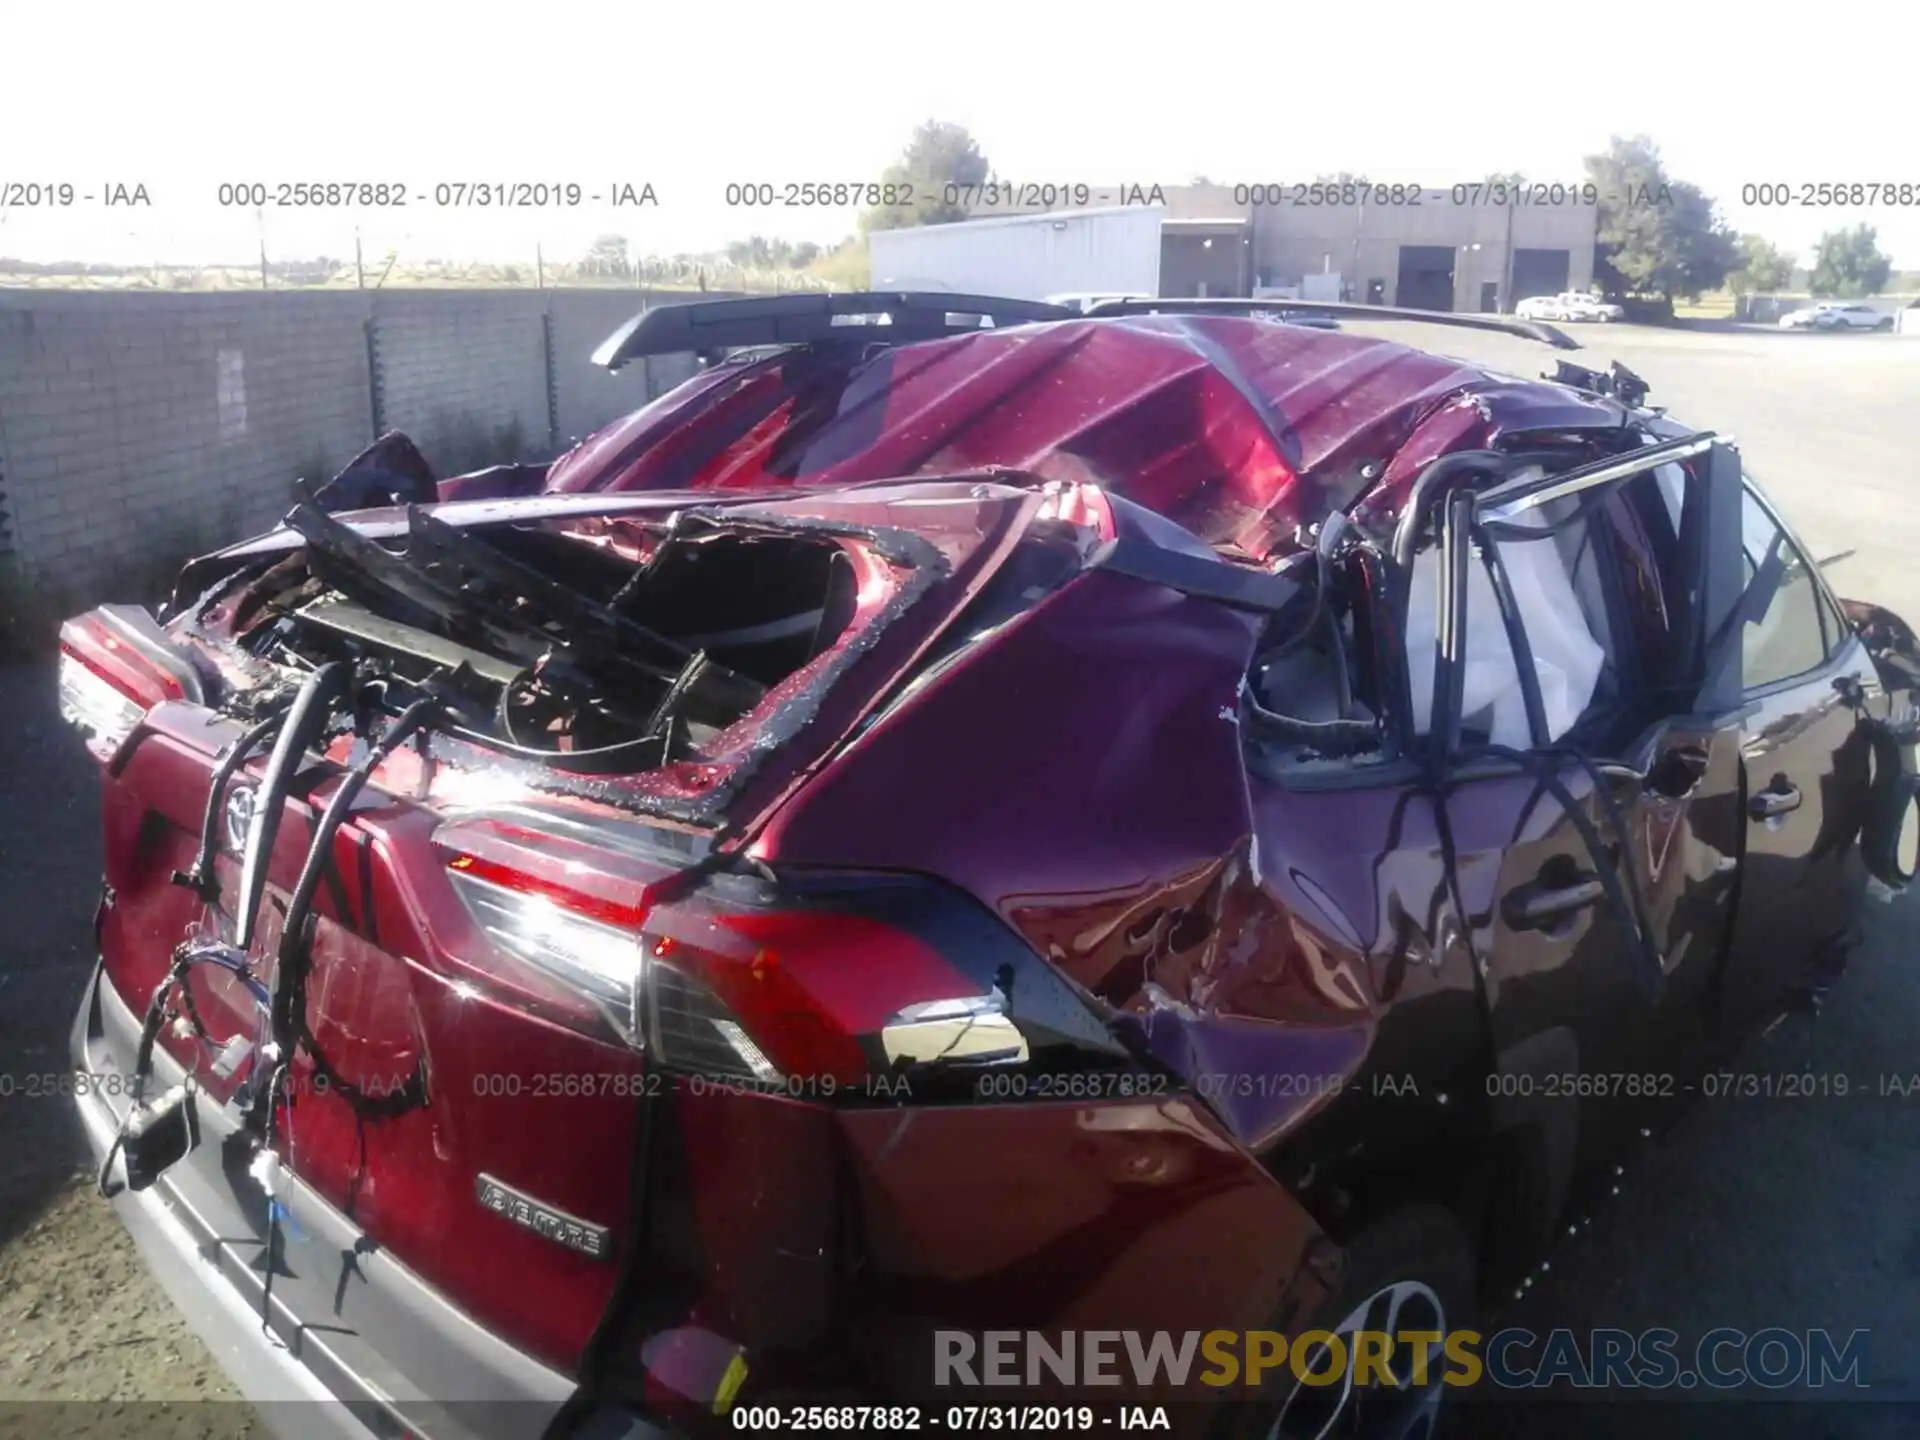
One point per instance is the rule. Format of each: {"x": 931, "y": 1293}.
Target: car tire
{"x": 1885, "y": 324}
{"x": 1413, "y": 1269}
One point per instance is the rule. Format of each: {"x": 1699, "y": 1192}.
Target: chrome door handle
{"x": 1538, "y": 907}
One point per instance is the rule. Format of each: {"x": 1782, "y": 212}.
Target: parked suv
{"x": 1004, "y": 820}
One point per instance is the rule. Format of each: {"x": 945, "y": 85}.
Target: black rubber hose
{"x": 1329, "y": 737}
{"x": 1342, "y": 678}
{"x": 1426, "y": 487}
{"x": 305, "y": 719}
{"x": 319, "y": 856}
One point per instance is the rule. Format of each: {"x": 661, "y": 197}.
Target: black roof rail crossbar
{"x": 708, "y": 325}
{"x": 1308, "y": 309}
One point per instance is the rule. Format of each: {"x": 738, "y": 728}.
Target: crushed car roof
{"x": 1242, "y": 430}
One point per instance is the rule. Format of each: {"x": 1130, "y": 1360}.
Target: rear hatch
{"x": 611, "y": 692}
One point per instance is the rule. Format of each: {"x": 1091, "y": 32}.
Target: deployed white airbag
{"x": 1566, "y": 656}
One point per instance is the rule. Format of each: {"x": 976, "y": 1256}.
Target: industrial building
{"x": 1447, "y": 250}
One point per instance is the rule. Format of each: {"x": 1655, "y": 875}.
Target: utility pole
{"x": 359, "y": 262}
{"x": 260, "y": 218}
{"x": 539, "y": 267}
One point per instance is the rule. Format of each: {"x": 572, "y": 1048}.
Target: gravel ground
{"x": 80, "y": 1320}
{"x": 1753, "y": 1213}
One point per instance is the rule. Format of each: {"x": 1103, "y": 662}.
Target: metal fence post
{"x": 553, "y": 378}
{"x": 646, "y": 361}
{"x": 376, "y": 401}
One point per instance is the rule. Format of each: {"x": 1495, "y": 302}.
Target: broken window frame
{"x": 1708, "y": 561}
{"x": 1709, "y": 558}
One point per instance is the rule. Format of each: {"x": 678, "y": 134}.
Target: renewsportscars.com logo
{"x": 1514, "y": 1358}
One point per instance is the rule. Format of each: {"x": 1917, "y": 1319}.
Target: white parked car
{"x": 1837, "y": 315}
{"x": 1570, "y": 305}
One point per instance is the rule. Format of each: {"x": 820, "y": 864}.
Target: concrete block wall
{"x": 589, "y": 396}
{"x": 136, "y": 430}
{"x": 135, "y": 427}
{"x": 464, "y": 373}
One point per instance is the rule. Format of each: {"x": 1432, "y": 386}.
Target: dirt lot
{"x": 1754, "y": 1213}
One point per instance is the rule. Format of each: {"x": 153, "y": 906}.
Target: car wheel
{"x": 1412, "y": 1270}
{"x": 1885, "y": 323}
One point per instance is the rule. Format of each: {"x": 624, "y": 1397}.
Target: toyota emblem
{"x": 241, "y": 802}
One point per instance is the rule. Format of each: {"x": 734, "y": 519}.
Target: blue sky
{"x": 689, "y": 98}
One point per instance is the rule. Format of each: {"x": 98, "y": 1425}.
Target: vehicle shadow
{"x": 49, "y": 887}
{"x": 1788, "y": 1210}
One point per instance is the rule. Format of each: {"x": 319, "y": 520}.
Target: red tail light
{"x": 116, "y": 664}
{"x": 810, "y": 989}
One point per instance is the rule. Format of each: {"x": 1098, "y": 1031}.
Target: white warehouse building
{"x": 1436, "y": 253}
{"x": 1025, "y": 257}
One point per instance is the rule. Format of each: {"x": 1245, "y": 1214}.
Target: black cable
{"x": 274, "y": 1083}
{"x": 287, "y": 1018}
{"x": 142, "y": 1070}
{"x": 1626, "y": 902}
{"x": 1342, "y": 679}
{"x": 642, "y": 1174}
{"x": 201, "y": 878}
{"x": 1443, "y": 751}
{"x": 1329, "y": 737}
{"x": 1517, "y": 639}
{"x": 1387, "y": 646}
{"x": 1642, "y": 921}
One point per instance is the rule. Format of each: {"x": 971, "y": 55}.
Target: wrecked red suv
{"x": 957, "y": 818}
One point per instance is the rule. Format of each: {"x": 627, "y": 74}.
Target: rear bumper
{"x": 355, "y": 1345}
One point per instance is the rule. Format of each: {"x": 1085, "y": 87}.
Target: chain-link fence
{"x": 691, "y": 273}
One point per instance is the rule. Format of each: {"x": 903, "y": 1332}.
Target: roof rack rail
{"x": 1305, "y": 310}
{"x": 865, "y": 317}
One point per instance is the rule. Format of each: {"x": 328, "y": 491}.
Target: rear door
{"x": 1584, "y": 1027}
{"x": 1805, "y": 766}
{"x": 1600, "y": 876}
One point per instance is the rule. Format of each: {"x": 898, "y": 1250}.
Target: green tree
{"x": 1763, "y": 268}
{"x": 1657, "y": 236}
{"x": 608, "y": 256}
{"x": 757, "y": 252}
{"x": 939, "y": 155}
{"x": 1848, "y": 264}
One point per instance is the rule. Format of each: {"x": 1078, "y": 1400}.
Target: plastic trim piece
{"x": 1298, "y": 311}
{"x": 862, "y": 317}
